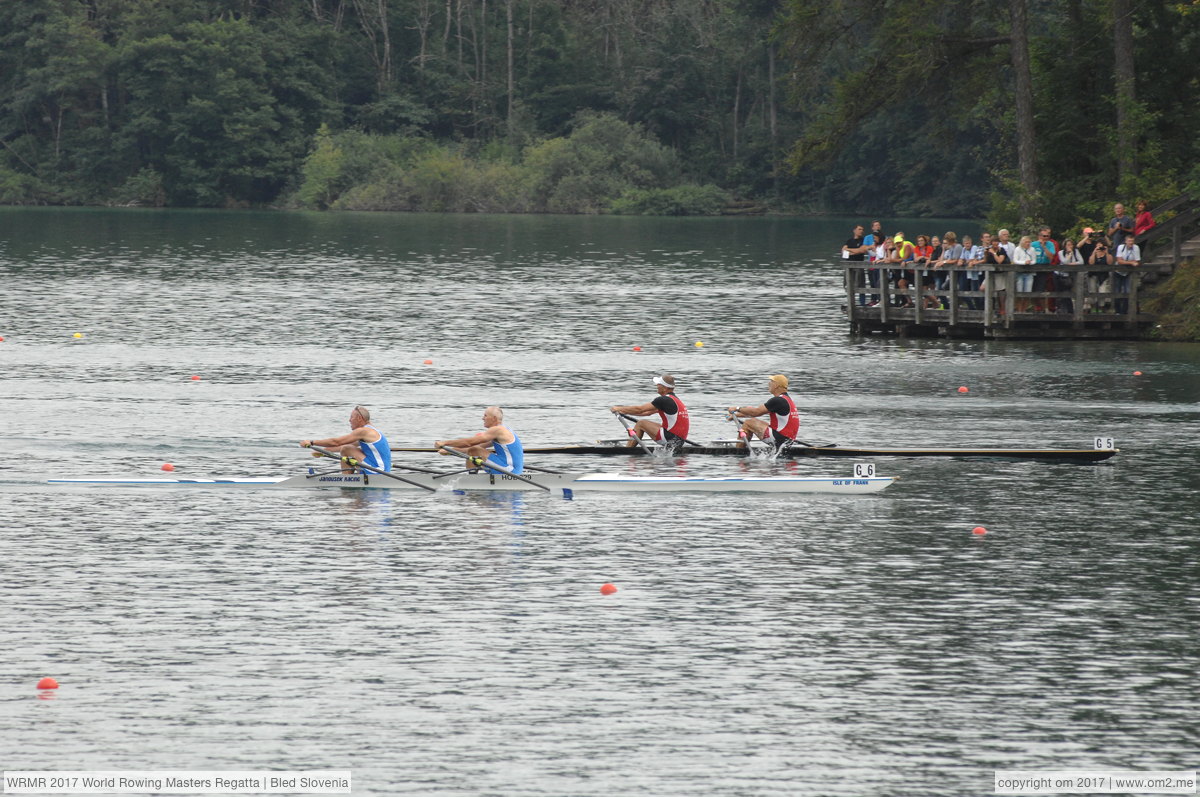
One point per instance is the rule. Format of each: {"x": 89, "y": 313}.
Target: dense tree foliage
{"x": 659, "y": 106}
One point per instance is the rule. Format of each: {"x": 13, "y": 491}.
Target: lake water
{"x": 459, "y": 644}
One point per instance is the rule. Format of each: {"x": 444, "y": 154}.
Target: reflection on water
{"x": 458, "y": 643}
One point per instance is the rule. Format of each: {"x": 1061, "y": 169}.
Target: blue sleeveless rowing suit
{"x": 510, "y": 455}
{"x": 377, "y": 454}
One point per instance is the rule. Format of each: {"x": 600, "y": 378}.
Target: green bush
{"x": 1176, "y": 302}
{"x": 682, "y": 200}
{"x": 602, "y": 159}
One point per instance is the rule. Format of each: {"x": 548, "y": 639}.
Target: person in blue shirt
{"x": 496, "y": 442}
{"x": 365, "y": 443}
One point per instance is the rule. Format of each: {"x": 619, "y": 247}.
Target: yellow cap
{"x": 780, "y": 380}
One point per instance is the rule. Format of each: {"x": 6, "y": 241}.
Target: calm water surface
{"x": 459, "y": 644}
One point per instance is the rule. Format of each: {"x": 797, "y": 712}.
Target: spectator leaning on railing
{"x": 1128, "y": 254}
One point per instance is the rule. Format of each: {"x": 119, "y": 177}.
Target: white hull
{"x": 558, "y": 482}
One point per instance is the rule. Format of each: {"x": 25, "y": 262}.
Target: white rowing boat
{"x": 563, "y": 483}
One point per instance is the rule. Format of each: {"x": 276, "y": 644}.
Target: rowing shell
{"x": 729, "y": 448}
{"x": 558, "y": 482}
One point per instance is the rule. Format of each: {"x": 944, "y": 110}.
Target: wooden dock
{"x": 1083, "y": 311}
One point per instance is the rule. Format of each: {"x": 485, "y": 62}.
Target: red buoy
{"x": 964, "y": 389}
{"x": 607, "y": 589}
{"x": 167, "y": 466}
{"x": 195, "y": 378}
{"x": 47, "y": 683}
{"x": 428, "y": 362}
{"x": 979, "y": 531}
{"x": 635, "y": 348}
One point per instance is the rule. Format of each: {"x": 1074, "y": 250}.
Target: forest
{"x": 1018, "y": 111}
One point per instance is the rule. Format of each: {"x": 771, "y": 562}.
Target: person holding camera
{"x": 1101, "y": 256}
{"x": 1119, "y": 226}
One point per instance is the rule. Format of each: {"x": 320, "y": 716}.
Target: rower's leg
{"x": 483, "y": 452}
{"x": 352, "y": 450}
{"x": 753, "y": 426}
{"x": 645, "y": 429}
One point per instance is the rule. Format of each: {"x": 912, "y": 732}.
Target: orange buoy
{"x": 47, "y": 683}
{"x": 964, "y": 389}
{"x": 607, "y": 589}
{"x": 979, "y": 531}
{"x": 167, "y": 466}
{"x": 428, "y": 362}
{"x": 1135, "y": 373}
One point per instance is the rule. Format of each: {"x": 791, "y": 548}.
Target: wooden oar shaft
{"x": 370, "y": 468}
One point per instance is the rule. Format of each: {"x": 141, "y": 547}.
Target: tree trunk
{"x": 1124, "y": 74}
{"x": 1023, "y": 79}
{"x": 737, "y": 102}
{"x": 772, "y": 116}
{"x": 508, "y": 13}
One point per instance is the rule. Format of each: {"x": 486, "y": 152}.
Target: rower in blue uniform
{"x": 496, "y": 442}
{"x": 364, "y": 443}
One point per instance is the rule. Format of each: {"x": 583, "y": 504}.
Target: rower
{"x": 365, "y": 443}
{"x": 673, "y": 430}
{"x": 784, "y": 421}
{"x": 496, "y": 442}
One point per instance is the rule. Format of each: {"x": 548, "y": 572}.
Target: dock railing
{"x": 1078, "y": 296}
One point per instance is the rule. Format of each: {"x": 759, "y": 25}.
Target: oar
{"x": 629, "y": 430}
{"x": 483, "y": 463}
{"x": 354, "y": 463}
{"x": 742, "y": 433}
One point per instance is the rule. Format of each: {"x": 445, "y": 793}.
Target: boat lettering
{"x": 838, "y": 482}
{"x": 338, "y": 479}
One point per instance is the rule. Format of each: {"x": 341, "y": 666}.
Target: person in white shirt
{"x": 1005, "y": 244}
{"x": 1128, "y": 254}
{"x": 1023, "y": 255}
{"x": 969, "y": 280}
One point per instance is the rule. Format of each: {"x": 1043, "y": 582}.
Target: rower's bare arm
{"x": 331, "y": 442}
{"x": 634, "y": 409}
{"x": 749, "y": 412}
{"x": 486, "y": 436}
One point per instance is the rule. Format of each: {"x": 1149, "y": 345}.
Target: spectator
{"x": 1119, "y": 226}
{"x": 996, "y": 255}
{"x": 936, "y": 254}
{"x": 1064, "y": 280}
{"x": 1023, "y": 255}
{"x": 969, "y": 280}
{"x": 903, "y": 252}
{"x": 1144, "y": 221}
{"x": 855, "y": 249}
{"x": 922, "y": 250}
{"x": 1006, "y": 244}
{"x": 952, "y": 254}
{"x": 1101, "y": 256}
{"x": 1128, "y": 254}
{"x": 1046, "y": 254}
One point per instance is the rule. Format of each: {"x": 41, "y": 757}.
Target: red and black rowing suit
{"x": 674, "y": 417}
{"x": 785, "y": 419}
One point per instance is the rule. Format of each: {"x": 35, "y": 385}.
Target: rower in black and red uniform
{"x": 784, "y": 421}
{"x": 673, "y": 429}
